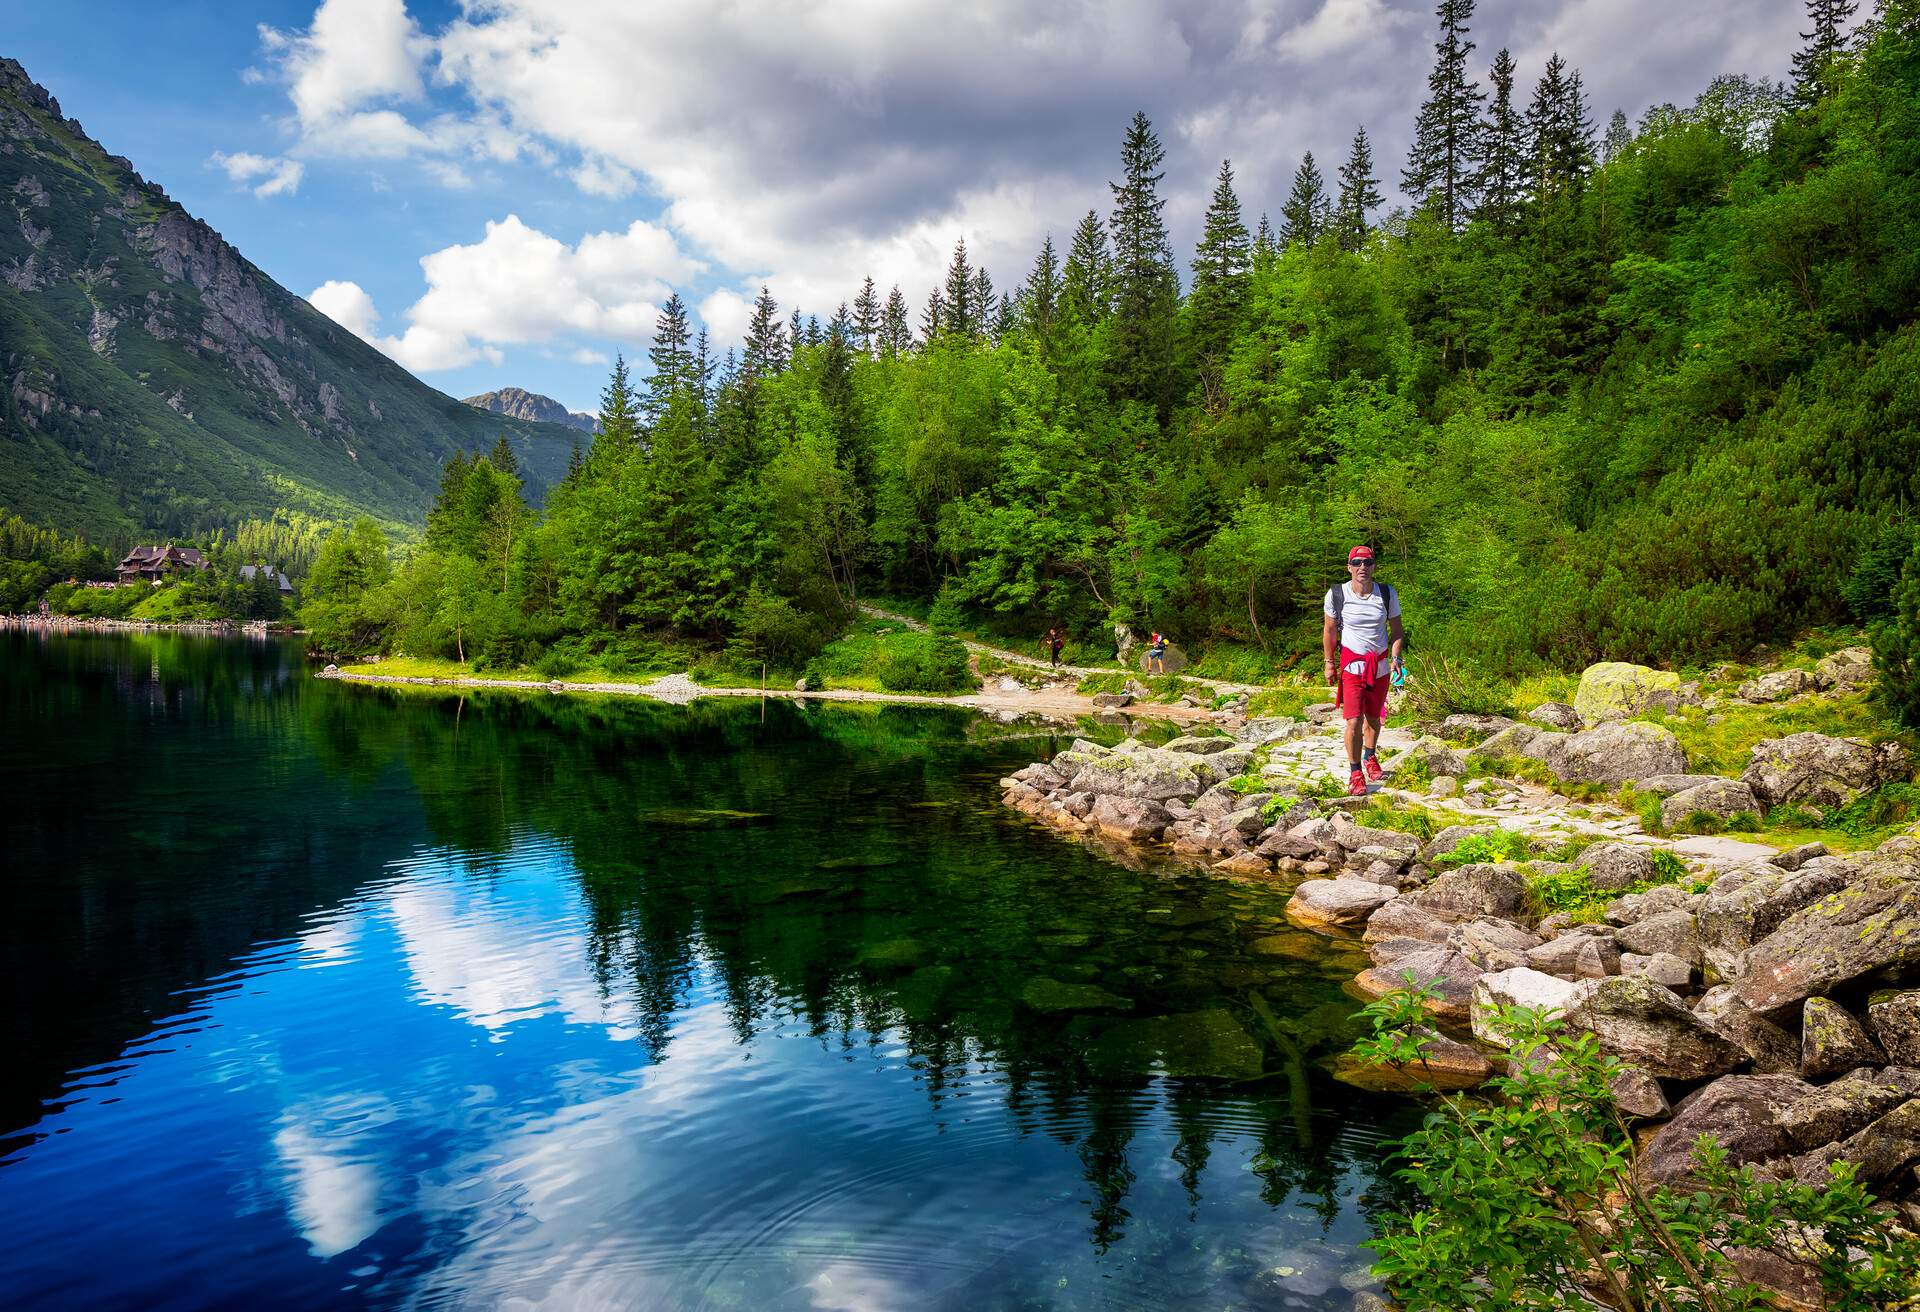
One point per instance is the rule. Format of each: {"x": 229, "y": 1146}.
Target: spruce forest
{"x": 1635, "y": 390}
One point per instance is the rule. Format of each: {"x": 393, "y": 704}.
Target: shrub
{"x": 556, "y": 663}
{"x": 1246, "y": 784}
{"x": 1276, "y": 806}
{"x": 1667, "y": 868}
{"x": 1474, "y": 849}
{"x": 1528, "y": 1198}
{"x": 923, "y": 662}
{"x": 1381, "y": 816}
{"x": 1443, "y": 687}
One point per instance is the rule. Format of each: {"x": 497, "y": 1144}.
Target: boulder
{"x": 1447, "y": 974}
{"x": 1894, "y": 1019}
{"x": 1510, "y": 741}
{"x": 1663, "y": 968}
{"x": 1519, "y": 987}
{"x": 1129, "y": 819}
{"x": 1051, "y": 997}
{"x": 1879, "y": 1152}
{"x": 1244, "y": 863}
{"x": 1556, "y": 715}
{"x": 1638, "y": 1094}
{"x": 1493, "y": 944}
{"x": 1268, "y": 729}
{"x": 1776, "y": 687}
{"x": 1671, "y": 932}
{"x": 1463, "y": 724}
{"x": 1437, "y": 756}
{"x": 1476, "y": 890}
{"x": 1871, "y": 924}
{"x": 1403, "y": 918}
{"x": 1741, "y": 1112}
{"x": 1446, "y": 1064}
{"x": 1576, "y": 957}
{"x": 1614, "y": 754}
{"x": 1113, "y": 700}
{"x": 1617, "y": 690}
{"x": 1721, "y": 798}
{"x": 1147, "y": 774}
{"x": 1647, "y": 1024}
{"x": 1614, "y": 867}
{"x": 1747, "y": 904}
{"x": 1216, "y": 802}
{"x": 1444, "y": 785}
{"x": 1795, "y": 857}
{"x": 1819, "y": 770}
{"x": 1172, "y": 661}
{"x": 1666, "y": 785}
{"x": 1832, "y": 1042}
{"x": 1845, "y": 670}
{"x": 1386, "y": 952}
{"x": 1636, "y": 907}
{"x": 1337, "y": 902}
{"x": 1198, "y": 746}
{"x": 1771, "y": 1049}
{"x": 1847, "y": 1106}
{"x": 1354, "y": 837}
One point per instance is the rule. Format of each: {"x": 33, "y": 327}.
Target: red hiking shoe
{"x": 1374, "y": 772}
{"x": 1357, "y": 785}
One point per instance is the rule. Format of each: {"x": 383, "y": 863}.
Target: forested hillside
{"x": 1643, "y": 390}
{"x": 151, "y": 379}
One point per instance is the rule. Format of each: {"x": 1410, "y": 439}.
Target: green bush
{"x": 1896, "y": 647}
{"x": 1441, "y": 686}
{"x": 556, "y": 663}
{"x": 1528, "y": 1198}
{"x": 1475, "y": 849}
{"x": 923, "y": 662}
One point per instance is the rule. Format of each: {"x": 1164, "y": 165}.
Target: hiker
{"x": 1055, "y": 641}
{"x": 1363, "y": 644}
{"x": 1157, "y": 653}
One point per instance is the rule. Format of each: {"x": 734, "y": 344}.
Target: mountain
{"x": 522, "y": 404}
{"x": 151, "y": 378}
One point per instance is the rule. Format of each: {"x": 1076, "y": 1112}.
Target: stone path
{"x": 1033, "y": 662}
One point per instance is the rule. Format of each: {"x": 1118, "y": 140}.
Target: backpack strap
{"x": 1339, "y": 594}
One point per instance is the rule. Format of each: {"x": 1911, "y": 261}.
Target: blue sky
{"x": 559, "y": 165}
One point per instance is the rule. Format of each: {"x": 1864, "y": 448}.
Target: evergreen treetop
{"x": 1444, "y": 159}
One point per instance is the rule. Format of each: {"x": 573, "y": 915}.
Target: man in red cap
{"x": 1363, "y": 641}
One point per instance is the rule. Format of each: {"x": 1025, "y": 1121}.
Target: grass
{"x": 1163, "y": 687}
{"x": 436, "y": 667}
{"x": 1721, "y": 741}
{"x": 878, "y": 655}
{"x": 1572, "y": 891}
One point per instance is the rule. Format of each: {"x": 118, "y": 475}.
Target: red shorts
{"x": 1358, "y": 698}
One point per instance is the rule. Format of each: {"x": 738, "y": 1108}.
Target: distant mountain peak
{"x": 519, "y": 403}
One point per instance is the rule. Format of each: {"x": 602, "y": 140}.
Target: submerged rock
{"x": 1203, "y": 1044}
{"x": 1051, "y": 996}
{"x": 1445, "y": 1064}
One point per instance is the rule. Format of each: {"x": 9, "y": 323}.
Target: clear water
{"x": 325, "y": 996}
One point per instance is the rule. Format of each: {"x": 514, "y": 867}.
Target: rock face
{"x": 1615, "y": 754}
{"x": 1870, "y": 924}
{"x": 1556, "y": 715}
{"x": 1743, "y": 1113}
{"x": 1617, "y": 690}
{"x": 1337, "y": 901}
{"x": 1818, "y": 770}
{"x": 522, "y": 404}
{"x": 1648, "y": 1026}
{"x": 1895, "y": 1022}
{"x": 1832, "y": 1042}
{"x": 1721, "y": 798}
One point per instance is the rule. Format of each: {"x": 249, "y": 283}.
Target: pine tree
{"x": 672, "y": 364}
{"x": 957, "y": 311}
{"x": 866, "y": 315}
{"x": 1265, "y": 244}
{"x": 986, "y": 305}
{"x": 796, "y": 331}
{"x": 619, "y": 413}
{"x": 766, "y": 348}
{"x": 1359, "y": 192}
{"x": 1086, "y": 286}
{"x": 1220, "y": 267}
{"x": 1619, "y": 137}
{"x": 1561, "y": 133}
{"x": 1504, "y": 173}
{"x": 702, "y": 376}
{"x": 1813, "y": 66}
{"x": 1145, "y": 286}
{"x": 814, "y": 336}
{"x": 501, "y": 457}
{"x": 896, "y": 332}
{"x": 1443, "y": 161}
{"x": 1304, "y": 217}
{"x": 933, "y": 318}
{"x": 1042, "y": 293}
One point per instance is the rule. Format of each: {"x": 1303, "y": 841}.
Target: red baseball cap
{"x": 1360, "y": 553}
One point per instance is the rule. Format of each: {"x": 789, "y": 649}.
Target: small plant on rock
{"x": 1476, "y": 849}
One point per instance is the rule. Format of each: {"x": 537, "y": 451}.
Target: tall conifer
{"x": 1813, "y": 65}
{"x": 1359, "y": 193}
{"x": 986, "y": 305}
{"x": 896, "y": 331}
{"x": 669, "y": 355}
{"x": 1304, "y": 217}
{"x": 934, "y": 319}
{"x": 1265, "y": 244}
{"x": 1504, "y": 175}
{"x": 1086, "y": 286}
{"x": 1220, "y": 265}
{"x": 619, "y": 413}
{"x": 766, "y": 348}
{"x": 1443, "y": 161}
{"x": 866, "y": 315}
{"x": 1145, "y": 285}
{"x": 1041, "y": 296}
{"x": 958, "y": 314}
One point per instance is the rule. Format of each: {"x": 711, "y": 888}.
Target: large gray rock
{"x": 1614, "y": 867}
{"x": 1895, "y": 1021}
{"x": 1556, "y": 715}
{"x": 1129, "y": 819}
{"x": 1747, "y": 904}
{"x": 1845, "y": 670}
{"x": 1741, "y": 1112}
{"x": 1670, "y": 932}
{"x": 1666, "y": 785}
{"x": 1338, "y": 902}
{"x": 1879, "y": 1152}
{"x": 1832, "y": 1042}
{"x": 1616, "y": 690}
{"x": 1519, "y": 987}
{"x": 1576, "y": 957}
{"x": 1847, "y": 1106}
{"x": 1722, "y": 798}
{"x": 1776, "y": 687}
{"x": 1818, "y": 770}
{"x": 1476, "y": 890}
{"x": 1871, "y": 924}
{"x": 1771, "y": 1049}
{"x": 1437, "y": 756}
{"x": 1614, "y": 754}
{"x": 1147, "y": 774}
{"x": 1353, "y": 837}
{"x": 1445, "y": 973}
{"x": 1657, "y": 901}
{"x": 1648, "y": 1025}
{"x": 1663, "y": 968}
{"x": 1510, "y": 741}
{"x": 1493, "y": 944}
{"x": 1197, "y": 745}
{"x": 1402, "y": 918}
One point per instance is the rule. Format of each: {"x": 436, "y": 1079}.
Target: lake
{"x": 330, "y": 996}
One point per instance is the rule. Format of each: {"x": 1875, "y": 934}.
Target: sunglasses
{"x": 1355, "y": 564}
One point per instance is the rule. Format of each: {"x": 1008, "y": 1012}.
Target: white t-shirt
{"x": 1363, "y": 620}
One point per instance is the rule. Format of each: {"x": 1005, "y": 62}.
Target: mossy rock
{"x": 1063, "y": 940}
{"x": 1049, "y": 997}
{"x": 1197, "y": 1044}
{"x": 1618, "y": 690}
{"x": 893, "y": 954}
{"x": 703, "y": 817}
{"x": 919, "y": 994}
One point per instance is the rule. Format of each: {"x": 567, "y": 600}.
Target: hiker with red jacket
{"x": 1363, "y": 643}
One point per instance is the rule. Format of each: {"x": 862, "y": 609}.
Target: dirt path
{"x": 678, "y": 689}
{"x": 1034, "y": 662}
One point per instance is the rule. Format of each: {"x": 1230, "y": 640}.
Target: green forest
{"x": 1639, "y": 390}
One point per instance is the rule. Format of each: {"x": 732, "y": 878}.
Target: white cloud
{"x": 347, "y": 304}
{"x": 355, "y": 53}
{"x": 277, "y": 177}
{"x": 597, "y": 177}
{"x": 726, "y": 314}
{"x": 587, "y": 355}
{"x": 1338, "y": 26}
{"x": 519, "y": 286}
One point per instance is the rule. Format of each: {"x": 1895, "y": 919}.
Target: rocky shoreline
{"x": 79, "y": 624}
{"x": 1768, "y": 999}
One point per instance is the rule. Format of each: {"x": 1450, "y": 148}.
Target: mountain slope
{"x": 522, "y": 404}
{"x": 152, "y": 378}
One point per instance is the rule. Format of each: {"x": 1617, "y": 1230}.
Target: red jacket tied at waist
{"x": 1373, "y": 664}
